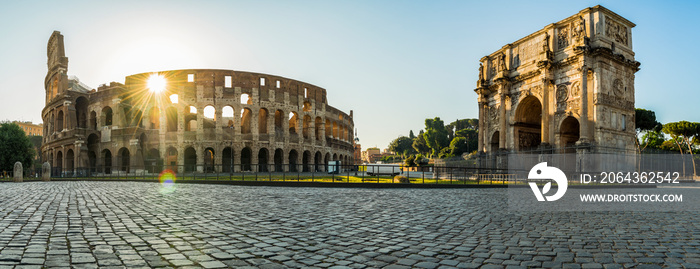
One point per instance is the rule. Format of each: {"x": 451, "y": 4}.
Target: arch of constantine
{"x": 200, "y": 120}
{"x": 567, "y": 86}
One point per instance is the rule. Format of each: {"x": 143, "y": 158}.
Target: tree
{"x": 402, "y": 146}
{"x": 654, "y": 139}
{"x": 411, "y": 135}
{"x": 419, "y": 144}
{"x": 645, "y": 121}
{"x": 683, "y": 132}
{"x": 472, "y": 136}
{"x": 410, "y": 161}
{"x": 458, "y": 146}
{"x": 435, "y": 135}
{"x": 15, "y": 146}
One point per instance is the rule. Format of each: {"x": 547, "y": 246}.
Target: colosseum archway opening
{"x": 209, "y": 117}
{"x": 278, "y": 122}
{"x": 293, "y": 119}
{"x": 335, "y": 157}
{"x": 293, "y": 157}
{"x": 326, "y": 159}
{"x": 124, "y": 160}
{"x": 318, "y": 162}
{"x": 307, "y": 127}
{"x": 209, "y": 160}
{"x": 81, "y": 108}
{"x": 171, "y": 119}
{"x": 528, "y": 123}
{"x": 318, "y": 132}
{"x": 154, "y": 118}
{"x": 305, "y": 160}
{"x": 279, "y": 160}
{"x": 262, "y": 160}
{"x": 246, "y": 100}
{"x": 191, "y": 118}
{"x": 262, "y": 121}
{"x": 92, "y": 161}
{"x": 246, "y": 159}
{"x": 171, "y": 159}
{"x": 227, "y": 117}
{"x": 59, "y": 162}
{"x": 190, "y": 159}
{"x": 329, "y": 128}
{"x": 246, "y": 114}
{"x": 152, "y": 161}
{"x": 306, "y": 107}
{"x": 107, "y": 157}
{"x": 59, "y": 121}
{"x": 227, "y": 160}
{"x": 93, "y": 120}
{"x": 70, "y": 157}
{"x": 107, "y": 116}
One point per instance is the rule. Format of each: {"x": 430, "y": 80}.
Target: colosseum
{"x": 197, "y": 120}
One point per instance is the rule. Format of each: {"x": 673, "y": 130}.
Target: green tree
{"x": 653, "y": 139}
{"x": 683, "y": 132}
{"x": 645, "y": 121}
{"x": 411, "y": 135}
{"x": 419, "y": 144}
{"x": 458, "y": 146}
{"x": 15, "y": 146}
{"x": 435, "y": 135}
{"x": 410, "y": 161}
{"x": 402, "y": 146}
{"x": 472, "y": 136}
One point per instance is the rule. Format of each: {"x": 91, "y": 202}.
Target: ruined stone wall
{"x": 204, "y": 121}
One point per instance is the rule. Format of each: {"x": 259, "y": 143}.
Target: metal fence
{"x": 370, "y": 173}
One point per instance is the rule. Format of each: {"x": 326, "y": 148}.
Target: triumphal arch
{"x": 566, "y": 86}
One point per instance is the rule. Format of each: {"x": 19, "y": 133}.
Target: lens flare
{"x": 167, "y": 181}
{"x": 156, "y": 83}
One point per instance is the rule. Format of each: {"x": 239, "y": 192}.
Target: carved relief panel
{"x": 616, "y": 31}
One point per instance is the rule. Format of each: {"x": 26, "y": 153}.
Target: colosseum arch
{"x": 70, "y": 161}
{"x": 190, "y": 159}
{"x": 306, "y": 161}
{"x": 227, "y": 161}
{"x": 263, "y": 154}
{"x": 293, "y": 119}
{"x": 209, "y": 114}
{"x": 171, "y": 119}
{"x": 246, "y": 115}
{"x": 262, "y": 121}
{"x": 59, "y": 121}
{"x": 318, "y": 162}
{"x": 246, "y": 159}
{"x": 107, "y": 116}
{"x": 209, "y": 164}
{"x": 307, "y": 126}
{"x": 93, "y": 120}
{"x": 171, "y": 159}
{"x": 293, "y": 161}
{"x": 279, "y": 160}
{"x": 81, "y": 108}
{"x": 279, "y": 118}
{"x": 124, "y": 160}
{"x": 107, "y": 160}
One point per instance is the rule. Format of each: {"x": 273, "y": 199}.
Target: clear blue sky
{"x": 395, "y": 63}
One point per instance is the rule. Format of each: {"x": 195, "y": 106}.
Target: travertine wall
{"x": 568, "y": 84}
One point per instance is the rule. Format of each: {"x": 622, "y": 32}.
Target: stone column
{"x": 502, "y": 117}
{"x": 545, "y": 111}
{"x": 583, "y": 133}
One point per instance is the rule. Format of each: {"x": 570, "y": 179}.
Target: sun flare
{"x": 156, "y": 83}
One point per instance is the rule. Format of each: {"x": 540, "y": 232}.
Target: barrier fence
{"x": 370, "y": 173}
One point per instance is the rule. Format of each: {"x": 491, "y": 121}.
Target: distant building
{"x": 30, "y": 128}
{"x": 371, "y": 155}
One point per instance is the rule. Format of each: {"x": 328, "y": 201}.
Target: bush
{"x": 402, "y": 179}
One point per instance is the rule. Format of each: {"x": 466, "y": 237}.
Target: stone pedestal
{"x": 18, "y": 172}
{"x": 46, "y": 171}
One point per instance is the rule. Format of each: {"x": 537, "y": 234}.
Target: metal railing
{"x": 369, "y": 173}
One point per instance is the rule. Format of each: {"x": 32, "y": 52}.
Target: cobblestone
{"x": 137, "y": 224}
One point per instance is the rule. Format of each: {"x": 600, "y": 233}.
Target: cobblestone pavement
{"x": 133, "y": 224}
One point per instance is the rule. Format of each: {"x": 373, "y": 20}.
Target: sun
{"x": 156, "y": 83}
